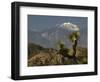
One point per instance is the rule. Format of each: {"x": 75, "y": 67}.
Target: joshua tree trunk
{"x": 74, "y": 51}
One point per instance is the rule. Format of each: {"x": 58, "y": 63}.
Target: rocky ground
{"x": 39, "y": 56}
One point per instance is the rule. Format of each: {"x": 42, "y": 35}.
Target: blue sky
{"x": 40, "y": 22}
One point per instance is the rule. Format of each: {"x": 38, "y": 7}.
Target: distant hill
{"x": 49, "y": 37}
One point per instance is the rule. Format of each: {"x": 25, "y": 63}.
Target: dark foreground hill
{"x": 39, "y": 56}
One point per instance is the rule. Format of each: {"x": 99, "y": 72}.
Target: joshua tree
{"x": 61, "y": 44}
{"x": 74, "y": 39}
{"x": 63, "y": 50}
{"x": 75, "y": 33}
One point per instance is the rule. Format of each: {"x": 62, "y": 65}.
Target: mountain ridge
{"x": 49, "y": 37}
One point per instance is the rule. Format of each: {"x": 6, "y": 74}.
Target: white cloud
{"x": 70, "y": 26}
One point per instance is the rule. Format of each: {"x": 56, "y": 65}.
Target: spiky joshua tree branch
{"x": 74, "y": 39}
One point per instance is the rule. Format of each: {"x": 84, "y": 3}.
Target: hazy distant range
{"x": 46, "y": 31}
